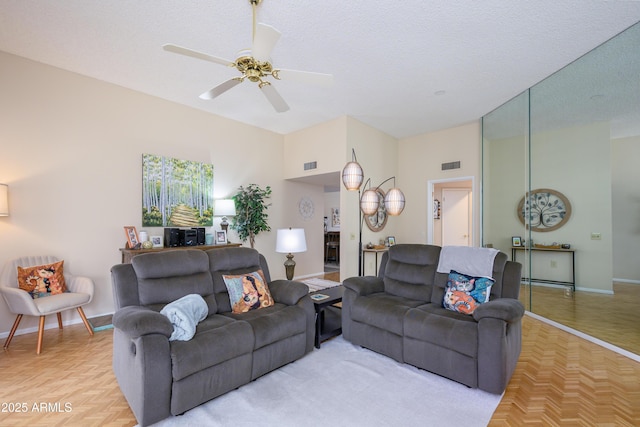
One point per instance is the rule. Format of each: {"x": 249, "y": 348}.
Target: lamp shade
{"x": 225, "y": 207}
{"x": 352, "y": 176}
{"x": 394, "y": 202}
{"x": 291, "y": 240}
{"x": 4, "y": 200}
{"x": 369, "y": 202}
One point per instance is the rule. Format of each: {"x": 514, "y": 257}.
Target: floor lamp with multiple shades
{"x": 352, "y": 178}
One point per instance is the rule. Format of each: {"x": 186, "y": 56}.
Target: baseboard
{"x": 54, "y": 325}
{"x": 633, "y": 282}
{"x": 587, "y": 337}
{"x": 578, "y": 288}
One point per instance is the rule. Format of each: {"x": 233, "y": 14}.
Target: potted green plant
{"x": 251, "y": 212}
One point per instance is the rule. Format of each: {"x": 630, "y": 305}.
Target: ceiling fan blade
{"x": 195, "y": 54}
{"x": 274, "y": 98}
{"x": 221, "y": 88}
{"x": 304, "y": 77}
{"x": 264, "y": 40}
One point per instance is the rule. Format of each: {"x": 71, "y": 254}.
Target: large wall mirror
{"x": 577, "y": 134}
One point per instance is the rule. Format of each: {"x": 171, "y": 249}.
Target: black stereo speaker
{"x": 200, "y": 235}
{"x": 171, "y": 237}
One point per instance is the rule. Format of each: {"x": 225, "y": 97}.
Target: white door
{"x": 456, "y": 217}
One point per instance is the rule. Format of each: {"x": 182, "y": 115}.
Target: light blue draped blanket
{"x": 185, "y": 314}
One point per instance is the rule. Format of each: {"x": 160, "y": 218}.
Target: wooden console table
{"x": 127, "y": 253}
{"x": 514, "y": 249}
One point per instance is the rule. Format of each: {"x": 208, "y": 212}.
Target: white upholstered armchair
{"x": 20, "y": 302}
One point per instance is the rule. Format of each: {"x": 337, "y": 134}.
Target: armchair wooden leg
{"x": 86, "y": 322}
{"x": 13, "y": 331}
{"x": 59, "y": 320}
{"x": 40, "y": 335}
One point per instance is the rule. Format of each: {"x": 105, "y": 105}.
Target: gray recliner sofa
{"x": 400, "y": 313}
{"x": 160, "y": 378}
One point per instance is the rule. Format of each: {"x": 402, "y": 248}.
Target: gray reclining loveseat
{"x": 400, "y": 314}
{"x": 160, "y": 378}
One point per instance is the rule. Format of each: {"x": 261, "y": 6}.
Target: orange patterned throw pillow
{"x": 248, "y": 291}
{"x": 42, "y": 280}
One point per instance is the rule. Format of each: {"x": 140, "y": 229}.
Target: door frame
{"x": 430, "y": 186}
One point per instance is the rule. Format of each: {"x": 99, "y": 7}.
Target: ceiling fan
{"x": 255, "y": 65}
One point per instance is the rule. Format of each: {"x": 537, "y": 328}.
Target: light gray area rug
{"x": 345, "y": 385}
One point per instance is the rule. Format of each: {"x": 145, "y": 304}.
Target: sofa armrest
{"x": 136, "y": 321}
{"x": 507, "y": 309}
{"x": 364, "y": 285}
{"x": 287, "y": 292}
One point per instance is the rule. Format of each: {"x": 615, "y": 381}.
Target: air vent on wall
{"x": 310, "y": 165}
{"x": 451, "y": 165}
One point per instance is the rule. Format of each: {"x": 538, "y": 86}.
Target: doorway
{"x": 452, "y": 217}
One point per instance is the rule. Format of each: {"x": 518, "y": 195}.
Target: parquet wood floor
{"x": 560, "y": 380}
{"x": 611, "y": 318}
{"x": 564, "y": 380}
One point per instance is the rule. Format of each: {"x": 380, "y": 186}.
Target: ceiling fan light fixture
{"x": 254, "y": 65}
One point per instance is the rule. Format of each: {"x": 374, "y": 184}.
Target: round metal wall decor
{"x": 306, "y": 208}
{"x": 544, "y": 210}
{"x": 378, "y": 220}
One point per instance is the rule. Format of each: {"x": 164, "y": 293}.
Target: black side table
{"x": 328, "y": 318}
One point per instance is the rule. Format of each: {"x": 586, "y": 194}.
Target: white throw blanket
{"x": 467, "y": 260}
{"x": 185, "y": 314}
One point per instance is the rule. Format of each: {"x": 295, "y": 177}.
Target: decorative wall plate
{"x": 378, "y": 220}
{"x": 545, "y": 210}
{"x": 305, "y": 207}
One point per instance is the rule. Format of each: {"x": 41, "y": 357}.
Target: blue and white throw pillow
{"x": 464, "y": 293}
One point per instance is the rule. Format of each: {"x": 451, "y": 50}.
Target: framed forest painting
{"x": 176, "y": 193}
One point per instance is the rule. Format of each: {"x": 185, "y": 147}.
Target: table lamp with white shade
{"x": 290, "y": 241}
{"x": 225, "y": 208}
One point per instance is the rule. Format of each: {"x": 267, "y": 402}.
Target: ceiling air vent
{"x": 451, "y": 165}
{"x": 310, "y": 165}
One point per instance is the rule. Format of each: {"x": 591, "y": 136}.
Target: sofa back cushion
{"x": 164, "y": 277}
{"x": 410, "y": 270}
{"x": 233, "y": 261}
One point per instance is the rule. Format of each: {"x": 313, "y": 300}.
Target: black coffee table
{"x": 328, "y": 317}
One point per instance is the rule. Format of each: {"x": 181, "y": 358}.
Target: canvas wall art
{"x": 176, "y": 193}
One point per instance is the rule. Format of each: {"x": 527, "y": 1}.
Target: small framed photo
{"x": 158, "y": 241}
{"x": 132, "y": 237}
{"x": 516, "y": 241}
{"x": 221, "y": 237}
{"x": 391, "y": 240}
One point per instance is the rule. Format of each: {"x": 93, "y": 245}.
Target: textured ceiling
{"x": 404, "y": 67}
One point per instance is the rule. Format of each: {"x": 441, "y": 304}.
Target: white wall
{"x": 575, "y": 161}
{"x": 323, "y": 143}
{"x": 72, "y": 151}
{"x": 626, "y": 208}
{"x": 420, "y": 159}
